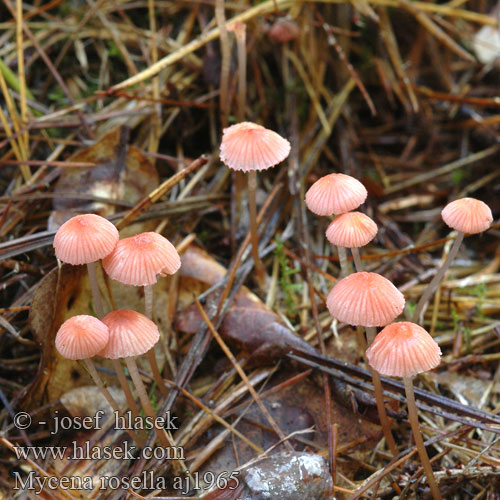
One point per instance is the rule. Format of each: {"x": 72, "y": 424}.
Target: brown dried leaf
{"x": 86, "y": 401}
{"x": 121, "y": 173}
{"x": 56, "y": 375}
{"x": 248, "y": 324}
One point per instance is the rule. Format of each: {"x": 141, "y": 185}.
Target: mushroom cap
{"x": 138, "y": 260}
{"x": 81, "y": 337}
{"x": 365, "y": 299}
{"x": 248, "y": 146}
{"x": 467, "y": 215}
{"x": 84, "y": 239}
{"x": 352, "y": 229}
{"x": 130, "y": 334}
{"x": 335, "y": 194}
{"x": 284, "y": 31}
{"x": 403, "y": 350}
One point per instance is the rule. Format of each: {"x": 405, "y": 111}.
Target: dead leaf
{"x": 86, "y": 401}
{"x": 121, "y": 173}
{"x": 248, "y": 324}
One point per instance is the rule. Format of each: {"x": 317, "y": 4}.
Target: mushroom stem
{"x": 344, "y": 265}
{"x": 379, "y": 398}
{"x": 125, "y": 388}
{"x": 260, "y": 271}
{"x": 357, "y": 259}
{"x": 419, "y": 442}
{"x": 225, "y": 48}
{"x": 148, "y": 299}
{"x": 431, "y": 287}
{"x": 98, "y": 381}
{"x": 242, "y": 71}
{"x": 164, "y": 438}
{"x": 156, "y": 371}
{"x": 94, "y": 287}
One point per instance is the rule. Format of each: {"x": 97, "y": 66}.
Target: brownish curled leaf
{"x": 248, "y": 324}
{"x": 122, "y": 173}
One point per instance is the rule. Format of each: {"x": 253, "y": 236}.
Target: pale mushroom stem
{"x": 379, "y": 398}
{"x": 94, "y": 287}
{"x": 98, "y": 381}
{"x": 242, "y": 72}
{"x": 432, "y": 286}
{"x": 148, "y": 299}
{"x": 357, "y": 259}
{"x": 125, "y": 388}
{"x": 360, "y": 336}
{"x": 344, "y": 264}
{"x": 225, "y": 48}
{"x": 260, "y": 271}
{"x": 419, "y": 442}
{"x": 163, "y": 437}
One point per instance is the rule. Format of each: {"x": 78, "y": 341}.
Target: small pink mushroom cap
{"x": 467, "y": 215}
{"x": 84, "y": 239}
{"x": 284, "y": 31}
{"x": 351, "y": 230}
{"x": 130, "y": 334}
{"x": 335, "y": 194}
{"x": 248, "y": 146}
{"x": 139, "y": 259}
{"x": 81, "y": 337}
{"x": 403, "y": 350}
{"x": 365, "y": 299}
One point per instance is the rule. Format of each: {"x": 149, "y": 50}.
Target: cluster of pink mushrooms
{"x": 138, "y": 261}
{"x": 363, "y": 299}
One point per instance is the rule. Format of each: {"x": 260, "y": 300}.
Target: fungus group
{"x": 362, "y": 299}
{"x": 138, "y": 261}
{"x": 401, "y": 349}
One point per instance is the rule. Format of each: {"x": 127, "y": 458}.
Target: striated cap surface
{"x": 467, "y": 215}
{"x": 130, "y": 334}
{"x": 403, "y": 350}
{"x": 365, "y": 299}
{"x": 139, "y": 259}
{"x": 351, "y": 230}
{"x": 335, "y": 194}
{"x": 248, "y": 146}
{"x": 81, "y": 337}
{"x": 84, "y": 239}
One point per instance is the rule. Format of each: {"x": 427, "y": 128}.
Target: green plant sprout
{"x": 289, "y": 289}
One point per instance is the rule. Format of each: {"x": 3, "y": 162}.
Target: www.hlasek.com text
{"x": 85, "y": 451}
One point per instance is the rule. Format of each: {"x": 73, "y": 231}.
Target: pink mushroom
{"x": 403, "y": 350}
{"x": 138, "y": 261}
{"x": 466, "y": 215}
{"x": 85, "y": 239}
{"x": 80, "y": 338}
{"x": 249, "y": 147}
{"x": 352, "y": 230}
